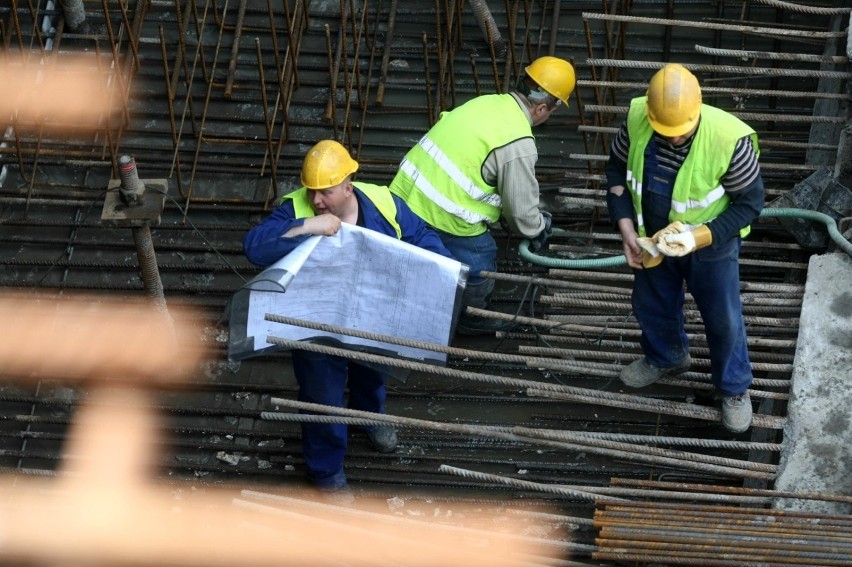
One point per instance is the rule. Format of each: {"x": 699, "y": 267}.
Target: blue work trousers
{"x": 712, "y": 277}
{"x": 322, "y": 380}
{"x": 479, "y": 253}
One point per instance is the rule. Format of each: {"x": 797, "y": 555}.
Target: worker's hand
{"x": 323, "y": 225}
{"x": 632, "y": 251}
{"x": 538, "y": 242}
{"x": 685, "y": 242}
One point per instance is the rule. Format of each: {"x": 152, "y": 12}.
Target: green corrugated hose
{"x": 592, "y": 263}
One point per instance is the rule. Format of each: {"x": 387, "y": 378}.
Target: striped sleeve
{"x": 621, "y": 143}
{"x": 743, "y": 169}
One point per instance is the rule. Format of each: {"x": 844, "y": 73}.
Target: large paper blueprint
{"x": 358, "y": 279}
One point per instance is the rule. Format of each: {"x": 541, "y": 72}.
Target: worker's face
{"x": 682, "y": 139}
{"x": 332, "y": 199}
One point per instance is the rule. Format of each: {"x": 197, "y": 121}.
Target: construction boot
{"x": 383, "y": 438}
{"x": 736, "y": 412}
{"x": 639, "y": 373}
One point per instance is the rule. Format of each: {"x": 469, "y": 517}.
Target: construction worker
{"x": 687, "y": 174}
{"x": 328, "y": 198}
{"x": 478, "y": 163}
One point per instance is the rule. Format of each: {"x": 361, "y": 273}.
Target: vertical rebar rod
{"x": 170, "y": 99}
{"x": 380, "y": 89}
{"x": 235, "y": 47}
{"x": 332, "y": 87}
{"x": 429, "y": 107}
{"x": 200, "y": 135}
{"x": 273, "y": 167}
{"x": 554, "y": 28}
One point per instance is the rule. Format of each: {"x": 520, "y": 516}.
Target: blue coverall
{"x": 322, "y": 378}
{"x": 711, "y": 275}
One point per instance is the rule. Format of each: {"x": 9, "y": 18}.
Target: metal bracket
{"x": 117, "y": 213}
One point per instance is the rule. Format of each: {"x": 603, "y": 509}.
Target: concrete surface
{"x": 817, "y": 454}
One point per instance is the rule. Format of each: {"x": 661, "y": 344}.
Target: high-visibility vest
{"x": 377, "y": 194}
{"x": 440, "y": 178}
{"x": 698, "y": 195}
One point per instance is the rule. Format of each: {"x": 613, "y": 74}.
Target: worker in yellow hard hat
{"x": 476, "y": 165}
{"x": 327, "y": 198}
{"x": 684, "y": 185}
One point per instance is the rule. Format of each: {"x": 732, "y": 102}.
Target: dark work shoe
{"x": 736, "y": 412}
{"x": 338, "y": 495}
{"x": 639, "y": 373}
{"x": 383, "y": 438}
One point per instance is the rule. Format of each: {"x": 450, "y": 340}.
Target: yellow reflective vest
{"x": 698, "y": 195}
{"x": 440, "y": 178}
{"x": 377, "y": 194}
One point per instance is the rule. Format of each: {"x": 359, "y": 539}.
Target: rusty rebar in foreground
{"x": 826, "y": 496}
{"x": 722, "y": 536}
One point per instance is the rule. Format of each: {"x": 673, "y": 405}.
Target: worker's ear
{"x": 540, "y": 113}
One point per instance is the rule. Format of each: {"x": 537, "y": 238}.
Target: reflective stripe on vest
{"x": 440, "y": 178}
{"x": 379, "y": 195}
{"x": 698, "y": 195}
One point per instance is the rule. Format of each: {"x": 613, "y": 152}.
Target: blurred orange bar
{"x": 66, "y": 91}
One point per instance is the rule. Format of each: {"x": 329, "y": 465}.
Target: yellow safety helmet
{"x": 554, "y": 75}
{"x": 327, "y": 164}
{"x": 674, "y": 101}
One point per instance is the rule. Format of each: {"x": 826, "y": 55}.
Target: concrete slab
{"x": 817, "y": 453}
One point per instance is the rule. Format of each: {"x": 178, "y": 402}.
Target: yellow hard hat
{"x": 554, "y": 75}
{"x": 327, "y": 164}
{"x": 674, "y": 100}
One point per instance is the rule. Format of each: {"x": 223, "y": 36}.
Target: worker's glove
{"x": 652, "y": 256}
{"x": 538, "y": 242}
{"x": 650, "y": 253}
{"x": 685, "y": 241}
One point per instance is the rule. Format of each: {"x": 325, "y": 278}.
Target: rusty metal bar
{"x": 235, "y": 47}
{"x": 655, "y": 451}
{"x": 527, "y": 485}
{"x": 780, "y": 117}
{"x": 775, "y": 56}
{"x": 735, "y": 69}
{"x": 684, "y": 486}
{"x": 332, "y": 78}
{"x": 794, "y": 7}
{"x": 635, "y": 454}
{"x": 171, "y": 104}
{"x": 355, "y": 74}
{"x": 654, "y": 405}
{"x": 430, "y": 111}
{"x": 200, "y": 136}
{"x": 123, "y": 85}
{"x": 756, "y": 30}
{"x": 380, "y": 89}
{"x": 723, "y": 90}
{"x": 267, "y": 120}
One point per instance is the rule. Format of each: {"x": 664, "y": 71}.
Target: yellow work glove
{"x": 650, "y": 254}
{"x": 685, "y": 242}
{"x": 653, "y": 256}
